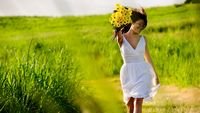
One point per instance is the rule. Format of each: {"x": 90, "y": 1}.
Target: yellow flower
{"x": 121, "y": 16}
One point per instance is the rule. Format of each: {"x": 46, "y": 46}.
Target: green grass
{"x": 34, "y": 78}
{"x": 172, "y": 34}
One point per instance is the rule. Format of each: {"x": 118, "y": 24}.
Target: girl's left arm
{"x": 148, "y": 59}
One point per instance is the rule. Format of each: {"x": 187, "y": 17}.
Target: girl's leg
{"x": 138, "y": 105}
{"x": 130, "y": 105}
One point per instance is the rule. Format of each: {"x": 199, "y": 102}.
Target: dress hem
{"x": 148, "y": 97}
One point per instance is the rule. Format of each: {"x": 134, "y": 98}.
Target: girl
{"x": 137, "y": 75}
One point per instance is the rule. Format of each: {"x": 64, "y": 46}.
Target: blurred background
{"x": 71, "y": 7}
{"x": 59, "y": 56}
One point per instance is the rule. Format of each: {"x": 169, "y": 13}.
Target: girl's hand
{"x": 118, "y": 29}
{"x": 157, "y": 80}
{"x": 118, "y": 32}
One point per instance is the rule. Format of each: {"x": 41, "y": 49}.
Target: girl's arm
{"x": 149, "y": 60}
{"x": 119, "y": 37}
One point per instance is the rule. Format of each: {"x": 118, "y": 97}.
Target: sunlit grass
{"x": 172, "y": 35}
{"x": 37, "y": 76}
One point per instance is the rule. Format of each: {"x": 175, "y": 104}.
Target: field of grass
{"x": 42, "y": 60}
{"x": 34, "y": 78}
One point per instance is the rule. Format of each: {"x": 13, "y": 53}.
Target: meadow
{"x": 71, "y": 64}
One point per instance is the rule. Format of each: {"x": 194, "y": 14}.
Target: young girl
{"x": 137, "y": 75}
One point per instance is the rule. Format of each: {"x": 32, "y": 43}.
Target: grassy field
{"x": 38, "y": 51}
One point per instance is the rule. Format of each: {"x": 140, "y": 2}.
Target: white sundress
{"x": 137, "y": 77}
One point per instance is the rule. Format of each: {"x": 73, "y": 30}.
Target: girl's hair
{"x": 136, "y": 15}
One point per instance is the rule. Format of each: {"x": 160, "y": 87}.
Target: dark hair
{"x": 135, "y": 16}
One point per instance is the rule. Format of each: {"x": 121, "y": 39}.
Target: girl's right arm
{"x": 119, "y": 38}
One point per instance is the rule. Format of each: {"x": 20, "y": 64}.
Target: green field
{"x": 73, "y": 64}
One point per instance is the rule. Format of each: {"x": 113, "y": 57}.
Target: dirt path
{"x": 169, "y": 99}
{"x": 180, "y": 95}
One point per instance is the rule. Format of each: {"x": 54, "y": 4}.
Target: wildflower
{"x": 121, "y": 16}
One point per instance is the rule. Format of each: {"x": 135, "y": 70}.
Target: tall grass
{"x": 39, "y": 78}
{"x": 172, "y": 34}
{"x": 173, "y": 42}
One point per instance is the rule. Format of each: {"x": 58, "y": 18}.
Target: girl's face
{"x": 137, "y": 26}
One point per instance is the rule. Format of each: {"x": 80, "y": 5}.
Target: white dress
{"x": 136, "y": 75}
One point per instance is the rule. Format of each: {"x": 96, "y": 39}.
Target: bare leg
{"x": 130, "y": 105}
{"x": 138, "y": 105}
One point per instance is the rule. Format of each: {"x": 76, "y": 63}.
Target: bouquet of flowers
{"x": 121, "y": 16}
